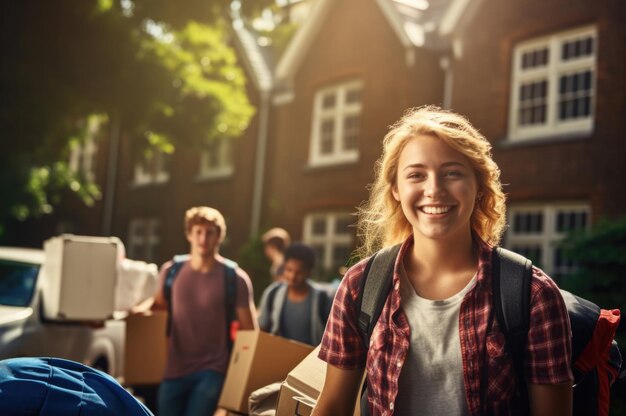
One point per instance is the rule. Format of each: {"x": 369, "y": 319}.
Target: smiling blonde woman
{"x": 436, "y": 348}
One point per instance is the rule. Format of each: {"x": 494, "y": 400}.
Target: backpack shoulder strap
{"x": 323, "y": 302}
{"x": 271, "y": 296}
{"x": 230, "y": 299}
{"x": 511, "y": 298}
{"x": 374, "y": 287}
{"x": 172, "y": 272}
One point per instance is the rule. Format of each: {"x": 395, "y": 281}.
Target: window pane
{"x": 350, "y": 132}
{"x": 535, "y": 58}
{"x": 342, "y": 225}
{"x": 328, "y": 101}
{"x": 319, "y": 226}
{"x": 570, "y": 221}
{"x": 533, "y": 102}
{"x": 528, "y": 223}
{"x": 326, "y": 142}
{"x": 341, "y": 254}
{"x": 563, "y": 266}
{"x": 353, "y": 96}
{"x": 319, "y": 255}
{"x": 575, "y": 95}
{"x": 577, "y": 48}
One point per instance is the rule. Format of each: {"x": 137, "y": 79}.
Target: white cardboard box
{"x": 80, "y": 277}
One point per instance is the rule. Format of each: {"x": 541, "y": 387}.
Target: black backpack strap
{"x": 511, "y": 298}
{"x": 172, "y": 272}
{"x": 271, "y": 296}
{"x": 375, "y": 285}
{"x": 323, "y": 303}
{"x": 373, "y": 290}
{"x": 230, "y": 299}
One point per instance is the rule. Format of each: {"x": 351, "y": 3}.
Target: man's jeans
{"x": 195, "y": 394}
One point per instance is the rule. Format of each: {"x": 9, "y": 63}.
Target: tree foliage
{"x": 162, "y": 69}
{"x": 601, "y": 257}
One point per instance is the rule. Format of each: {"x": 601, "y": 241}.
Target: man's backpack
{"x": 322, "y": 303}
{"x": 230, "y": 288}
{"x": 596, "y": 359}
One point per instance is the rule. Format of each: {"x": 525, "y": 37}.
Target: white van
{"x": 24, "y": 331}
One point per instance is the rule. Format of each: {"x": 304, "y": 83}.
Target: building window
{"x": 216, "y": 159}
{"x": 152, "y": 168}
{"x": 336, "y": 124}
{"x": 535, "y": 231}
{"x": 553, "y": 85}
{"x": 143, "y": 239}
{"x": 330, "y": 235}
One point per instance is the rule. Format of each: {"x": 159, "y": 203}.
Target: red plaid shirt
{"x": 490, "y": 383}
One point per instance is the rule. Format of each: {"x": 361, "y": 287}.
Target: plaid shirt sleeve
{"x": 342, "y": 345}
{"x": 549, "y": 349}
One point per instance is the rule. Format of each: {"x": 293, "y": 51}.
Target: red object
{"x": 234, "y": 327}
{"x": 596, "y": 354}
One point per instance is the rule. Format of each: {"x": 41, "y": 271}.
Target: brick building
{"x": 544, "y": 81}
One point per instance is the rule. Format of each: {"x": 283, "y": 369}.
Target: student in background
{"x": 198, "y": 351}
{"x": 296, "y": 308}
{"x": 275, "y": 241}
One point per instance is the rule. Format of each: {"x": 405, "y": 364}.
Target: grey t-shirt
{"x": 431, "y": 381}
{"x": 198, "y": 338}
{"x": 295, "y": 319}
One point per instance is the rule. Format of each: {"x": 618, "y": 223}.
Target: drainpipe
{"x": 109, "y": 193}
{"x": 446, "y": 65}
{"x": 259, "y": 171}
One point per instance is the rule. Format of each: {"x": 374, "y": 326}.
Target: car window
{"x": 17, "y": 282}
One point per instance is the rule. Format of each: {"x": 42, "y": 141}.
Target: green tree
{"x": 163, "y": 70}
{"x": 601, "y": 257}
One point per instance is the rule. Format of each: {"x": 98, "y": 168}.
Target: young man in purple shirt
{"x": 198, "y": 352}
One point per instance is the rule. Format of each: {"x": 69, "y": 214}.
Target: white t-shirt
{"x": 431, "y": 381}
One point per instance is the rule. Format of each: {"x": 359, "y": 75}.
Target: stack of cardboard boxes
{"x": 258, "y": 359}
{"x": 302, "y": 386}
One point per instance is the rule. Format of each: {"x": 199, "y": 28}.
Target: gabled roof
{"x": 257, "y": 59}
{"x": 415, "y": 23}
{"x": 458, "y": 13}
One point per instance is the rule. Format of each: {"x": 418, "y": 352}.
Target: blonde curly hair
{"x": 381, "y": 220}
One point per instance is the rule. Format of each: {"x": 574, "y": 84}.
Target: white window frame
{"x": 329, "y": 240}
{"x": 338, "y": 113}
{"x": 151, "y": 171}
{"x": 224, "y": 167}
{"x": 549, "y": 239}
{"x": 551, "y": 73}
{"x": 143, "y": 246}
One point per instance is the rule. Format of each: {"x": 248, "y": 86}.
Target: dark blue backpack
{"x": 230, "y": 287}
{"x": 596, "y": 360}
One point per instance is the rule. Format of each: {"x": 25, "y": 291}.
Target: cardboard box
{"x": 302, "y": 387}
{"x": 258, "y": 359}
{"x": 293, "y": 402}
{"x": 145, "y": 351}
{"x": 80, "y": 277}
